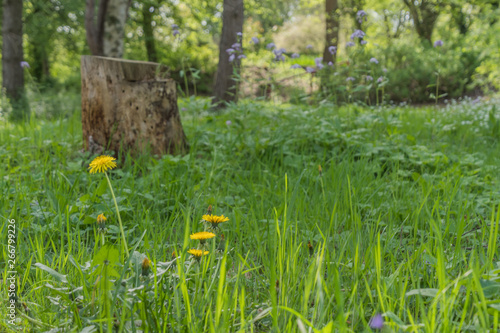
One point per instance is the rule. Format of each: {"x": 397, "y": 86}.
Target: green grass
{"x": 402, "y": 220}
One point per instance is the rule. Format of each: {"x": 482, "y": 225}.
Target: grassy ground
{"x": 402, "y": 220}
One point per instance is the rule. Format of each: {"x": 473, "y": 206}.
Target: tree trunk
{"x": 127, "y": 105}
{"x": 114, "y": 28}
{"x": 149, "y": 38}
{"x": 12, "y": 56}
{"x": 225, "y": 83}
{"x": 424, "y": 18}
{"x": 94, "y": 27}
{"x": 332, "y": 30}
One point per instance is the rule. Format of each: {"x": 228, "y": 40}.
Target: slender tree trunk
{"x": 149, "y": 38}
{"x": 225, "y": 82}
{"x": 39, "y": 43}
{"x": 114, "y": 28}
{"x": 424, "y": 18}
{"x": 94, "y": 26}
{"x": 12, "y": 56}
{"x": 332, "y": 30}
{"x": 40, "y": 67}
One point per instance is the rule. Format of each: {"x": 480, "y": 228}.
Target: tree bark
{"x": 149, "y": 38}
{"x": 12, "y": 56}
{"x": 225, "y": 83}
{"x": 332, "y": 29}
{"x": 128, "y": 105}
{"x": 114, "y": 28}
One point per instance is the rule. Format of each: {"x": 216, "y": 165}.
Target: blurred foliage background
{"x": 467, "y": 63}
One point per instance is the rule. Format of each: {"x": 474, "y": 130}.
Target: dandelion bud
{"x": 320, "y": 170}
{"x": 209, "y": 210}
{"x": 101, "y": 222}
{"x": 146, "y": 264}
{"x": 311, "y": 248}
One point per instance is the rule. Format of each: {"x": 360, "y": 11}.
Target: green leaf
{"x": 84, "y": 198}
{"x": 107, "y": 254}
{"x": 328, "y": 328}
{"x": 89, "y": 220}
{"x": 59, "y": 277}
{"x": 106, "y": 259}
{"x": 399, "y": 322}
{"x": 491, "y": 289}
{"x": 103, "y": 186}
{"x": 428, "y": 292}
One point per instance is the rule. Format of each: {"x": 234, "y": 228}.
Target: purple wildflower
{"x": 295, "y": 66}
{"x": 242, "y": 56}
{"x": 175, "y": 26}
{"x": 236, "y": 46}
{"x": 369, "y": 78}
{"x": 270, "y": 46}
{"x": 228, "y": 122}
{"x": 377, "y": 322}
{"x": 231, "y": 57}
{"x": 357, "y": 34}
{"x": 361, "y": 13}
{"x": 278, "y": 54}
{"x": 309, "y": 47}
{"x": 363, "y": 42}
{"x": 319, "y": 63}
{"x": 438, "y": 43}
{"x": 373, "y": 60}
{"x": 255, "y": 40}
{"x": 176, "y": 32}
{"x": 332, "y": 50}
{"x": 239, "y": 34}
{"x": 349, "y": 44}
{"x": 24, "y": 64}
{"x": 330, "y": 63}
{"x": 310, "y": 69}
{"x": 295, "y": 56}
{"x": 380, "y": 79}
{"x": 230, "y": 50}
{"x": 384, "y": 70}
{"x": 350, "y": 78}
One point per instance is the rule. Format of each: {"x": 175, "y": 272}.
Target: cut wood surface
{"x": 130, "y": 105}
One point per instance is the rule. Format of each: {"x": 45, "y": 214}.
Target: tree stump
{"x": 128, "y": 105}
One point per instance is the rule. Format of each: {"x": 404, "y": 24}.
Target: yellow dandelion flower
{"x": 197, "y": 253}
{"x": 101, "y": 164}
{"x": 101, "y": 218}
{"x": 202, "y": 235}
{"x": 214, "y": 219}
